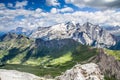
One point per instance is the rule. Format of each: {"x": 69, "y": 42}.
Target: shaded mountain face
{"x": 87, "y": 34}
{"x": 52, "y": 47}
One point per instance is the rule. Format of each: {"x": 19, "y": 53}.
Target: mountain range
{"x": 87, "y": 34}
{"x": 60, "y": 47}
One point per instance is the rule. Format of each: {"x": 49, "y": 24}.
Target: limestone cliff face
{"x": 108, "y": 65}
{"x": 89, "y": 71}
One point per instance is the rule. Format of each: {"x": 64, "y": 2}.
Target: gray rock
{"x": 108, "y": 65}
{"x": 89, "y": 71}
{"x": 16, "y": 75}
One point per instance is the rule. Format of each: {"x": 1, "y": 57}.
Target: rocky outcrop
{"x": 108, "y": 65}
{"x": 82, "y": 72}
{"x": 16, "y": 75}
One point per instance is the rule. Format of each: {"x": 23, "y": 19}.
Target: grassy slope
{"x": 115, "y": 53}
{"x": 19, "y": 51}
{"x": 14, "y": 50}
{"x": 58, "y": 65}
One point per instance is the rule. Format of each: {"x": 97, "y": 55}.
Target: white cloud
{"x": 10, "y": 5}
{"x": 109, "y": 0}
{"x": 38, "y": 10}
{"x": 21, "y": 4}
{"x": 95, "y": 3}
{"x": 63, "y": 10}
{"x": 33, "y": 19}
{"x": 54, "y": 10}
{"x": 66, "y": 9}
{"x": 52, "y": 2}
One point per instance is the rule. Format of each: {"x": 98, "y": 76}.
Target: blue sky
{"x": 44, "y": 5}
{"x": 35, "y": 13}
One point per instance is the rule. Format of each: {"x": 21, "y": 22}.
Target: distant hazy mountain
{"x": 113, "y": 30}
{"x": 21, "y": 30}
{"x": 2, "y": 33}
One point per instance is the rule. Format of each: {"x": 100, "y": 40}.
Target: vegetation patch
{"x": 115, "y": 53}
{"x": 61, "y": 60}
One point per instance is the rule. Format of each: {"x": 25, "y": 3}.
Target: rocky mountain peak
{"x": 71, "y": 23}
{"x": 9, "y": 36}
{"x": 87, "y": 33}
{"x": 87, "y": 24}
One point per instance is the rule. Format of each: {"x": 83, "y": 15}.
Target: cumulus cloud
{"x": 21, "y": 4}
{"x": 10, "y": 19}
{"x": 95, "y": 3}
{"x": 10, "y": 5}
{"x": 38, "y": 10}
{"x": 62, "y": 10}
{"x": 52, "y": 2}
{"x": 54, "y": 10}
{"x": 66, "y": 9}
{"x": 34, "y": 19}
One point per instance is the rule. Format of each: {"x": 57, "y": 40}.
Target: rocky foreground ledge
{"x": 89, "y": 71}
{"x": 16, "y": 75}
{"x": 78, "y": 72}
